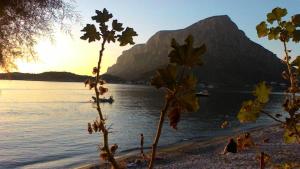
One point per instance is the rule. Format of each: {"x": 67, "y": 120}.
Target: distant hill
{"x": 232, "y": 58}
{"x": 55, "y": 76}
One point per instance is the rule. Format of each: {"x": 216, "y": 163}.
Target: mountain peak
{"x": 215, "y": 22}
{"x": 231, "y": 57}
{"x": 217, "y": 17}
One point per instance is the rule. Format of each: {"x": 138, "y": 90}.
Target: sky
{"x": 70, "y": 53}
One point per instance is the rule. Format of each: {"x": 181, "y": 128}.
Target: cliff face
{"x": 231, "y": 57}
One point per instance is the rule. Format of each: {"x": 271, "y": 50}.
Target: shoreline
{"x": 207, "y": 151}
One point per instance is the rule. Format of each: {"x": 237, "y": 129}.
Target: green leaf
{"x": 262, "y": 92}
{"x": 188, "y": 100}
{"x": 90, "y": 33}
{"x": 279, "y": 13}
{"x": 127, "y": 37}
{"x": 289, "y": 27}
{"x": 249, "y": 111}
{"x": 117, "y": 26}
{"x": 186, "y": 54}
{"x": 271, "y": 18}
{"x": 296, "y": 20}
{"x": 296, "y": 36}
{"x": 289, "y": 135}
{"x": 165, "y": 77}
{"x": 274, "y": 33}
{"x": 262, "y": 29}
{"x": 102, "y": 17}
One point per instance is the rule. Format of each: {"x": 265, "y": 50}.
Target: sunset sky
{"x": 147, "y": 17}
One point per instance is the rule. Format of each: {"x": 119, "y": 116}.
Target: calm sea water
{"x": 44, "y": 124}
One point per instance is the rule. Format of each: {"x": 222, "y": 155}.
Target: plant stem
{"x": 292, "y": 87}
{"x": 158, "y": 132}
{"x": 262, "y": 160}
{"x": 97, "y": 80}
{"x": 289, "y": 69}
{"x": 111, "y": 158}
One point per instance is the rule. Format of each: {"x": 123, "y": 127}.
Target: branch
{"x": 97, "y": 80}
{"x": 105, "y": 132}
{"x": 158, "y": 132}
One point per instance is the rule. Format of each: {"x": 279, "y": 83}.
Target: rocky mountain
{"x": 55, "y": 76}
{"x": 232, "y": 58}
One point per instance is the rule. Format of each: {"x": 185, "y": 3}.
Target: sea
{"x": 44, "y": 124}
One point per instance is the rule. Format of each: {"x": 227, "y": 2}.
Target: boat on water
{"x": 202, "y": 94}
{"x": 109, "y": 100}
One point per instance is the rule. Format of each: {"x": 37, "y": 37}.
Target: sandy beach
{"x": 206, "y": 154}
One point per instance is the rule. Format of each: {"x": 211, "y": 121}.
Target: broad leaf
{"x": 104, "y": 29}
{"x": 274, "y": 33}
{"x": 102, "y": 90}
{"x": 165, "y": 77}
{"x": 110, "y": 36}
{"x": 174, "y": 116}
{"x": 102, "y": 16}
{"x": 188, "y": 101}
{"x": 289, "y": 27}
{"x": 249, "y": 111}
{"x": 290, "y": 136}
{"x": 262, "y": 92}
{"x": 117, "y": 26}
{"x": 296, "y": 36}
{"x": 262, "y": 29}
{"x": 271, "y": 17}
{"x": 296, "y": 20}
{"x": 189, "y": 82}
{"x": 127, "y": 37}
{"x": 279, "y": 13}
{"x": 186, "y": 54}
{"x": 91, "y": 34}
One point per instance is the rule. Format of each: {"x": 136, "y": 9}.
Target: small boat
{"x": 202, "y": 93}
{"x": 110, "y": 100}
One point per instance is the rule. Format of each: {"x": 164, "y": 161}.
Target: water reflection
{"x": 43, "y": 124}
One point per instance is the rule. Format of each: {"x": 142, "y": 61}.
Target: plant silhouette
{"x": 179, "y": 84}
{"x": 275, "y": 28}
{"x": 116, "y": 33}
{"x": 24, "y": 22}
